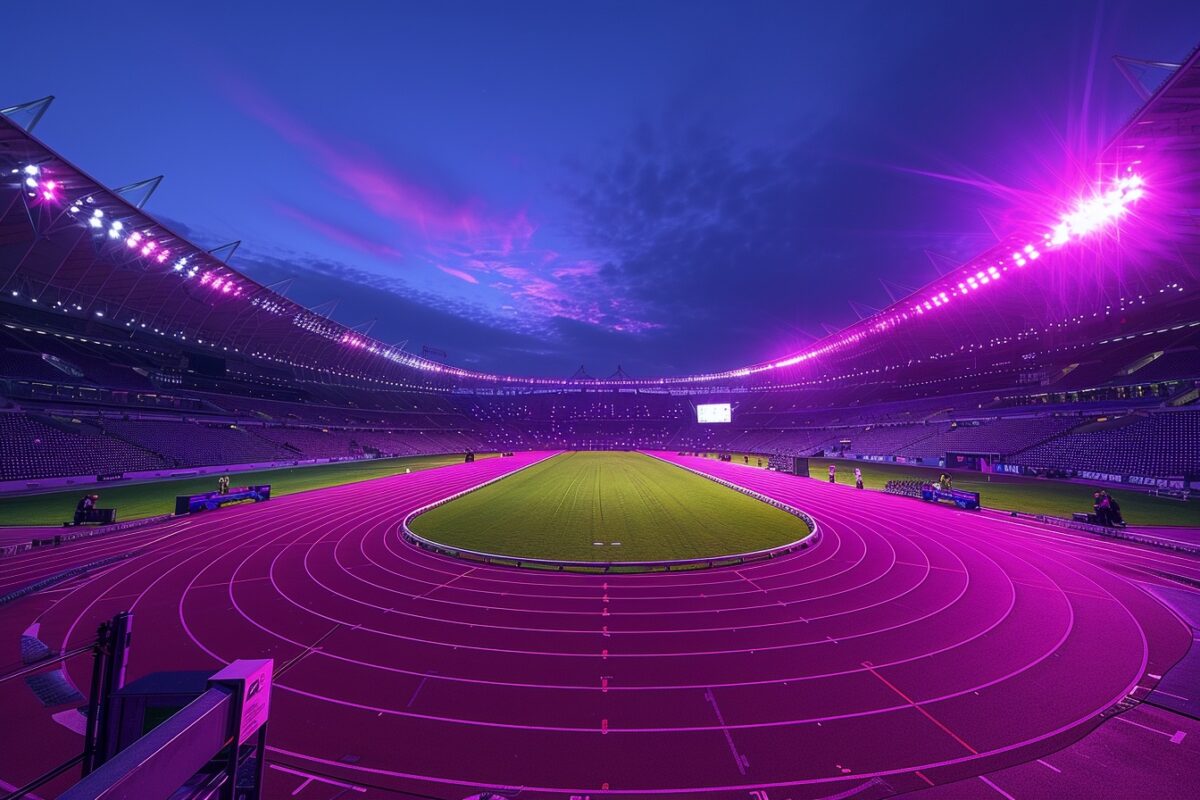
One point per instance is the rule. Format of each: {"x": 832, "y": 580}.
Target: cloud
{"x": 458, "y": 273}
{"x": 735, "y": 249}
{"x": 457, "y": 235}
{"x": 381, "y": 187}
{"x": 339, "y": 234}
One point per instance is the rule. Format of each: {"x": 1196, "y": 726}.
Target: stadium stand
{"x": 184, "y": 443}
{"x": 1161, "y": 444}
{"x": 244, "y": 375}
{"x": 33, "y": 447}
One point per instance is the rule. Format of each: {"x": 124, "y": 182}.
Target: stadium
{"x": 949, "y": 550}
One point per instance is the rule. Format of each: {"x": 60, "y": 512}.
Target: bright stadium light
{"x": 1096, "y": 212}
{"x": 33, "y": 169}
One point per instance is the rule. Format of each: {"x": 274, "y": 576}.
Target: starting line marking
{"x": 1175, "y": 738}
{"x": 739, "y": 759}
{"x": 997, "y": 788}
{"x": 447, "y": 583}
{"x": 871, "y": 668}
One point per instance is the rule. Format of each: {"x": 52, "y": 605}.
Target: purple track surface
{"x": 913, "y": 645}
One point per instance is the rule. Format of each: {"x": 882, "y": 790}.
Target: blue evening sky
{"x": 671, "y": 186}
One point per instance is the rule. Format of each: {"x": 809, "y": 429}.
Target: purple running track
{"x": 913, "y": 645}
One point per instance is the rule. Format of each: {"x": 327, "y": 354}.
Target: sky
{"x": 671, "y": 187}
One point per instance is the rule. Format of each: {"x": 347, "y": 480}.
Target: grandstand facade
{"x": 1068, "y": 347}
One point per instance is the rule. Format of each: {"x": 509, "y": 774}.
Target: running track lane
{"x": 912, "y": 641}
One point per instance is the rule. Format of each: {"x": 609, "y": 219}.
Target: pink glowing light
{"x": 1096, "y": 212}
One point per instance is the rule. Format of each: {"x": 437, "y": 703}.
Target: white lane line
{"x": 420, "y": 686}
{"x": 997, "y": 788}
{"x": 739, "y": 759}
{"x": 447, "y": 583}
{"x": 1048, "y": 765}
{"x": 1175, "y": 738}
{"x": 309, "y": 778}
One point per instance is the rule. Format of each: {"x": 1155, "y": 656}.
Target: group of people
{"x": 945, "y": 482}
{"x": 858, "y": 478}
{"x": 223, "y": 484}
{"x": 1107, "y": 509}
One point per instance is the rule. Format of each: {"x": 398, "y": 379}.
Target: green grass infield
{"x": 608, "y": 507}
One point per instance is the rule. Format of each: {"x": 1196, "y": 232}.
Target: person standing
{"x": 858, "y": 481}
{"x": 81, "y": 508}
{"x": 833, "y": 473}
{"x": 1105, "y": 509}
{"x": 1114, "y": 512}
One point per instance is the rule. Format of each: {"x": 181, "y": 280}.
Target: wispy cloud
{"x": 461, "y": 237}
{"x": 339, "y": 234}
{"x": 458, "y": 273}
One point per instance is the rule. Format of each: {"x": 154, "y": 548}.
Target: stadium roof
{"x": 71, "y": 245}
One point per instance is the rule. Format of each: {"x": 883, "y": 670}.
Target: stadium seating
{"x": 183, "y": 443}
{"x": 42, "y": 448}
{"x": 1002, "y": 436}
{"x": 1162, "y": 444}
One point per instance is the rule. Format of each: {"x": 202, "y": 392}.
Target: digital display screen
{"x": 714, "y": 412}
